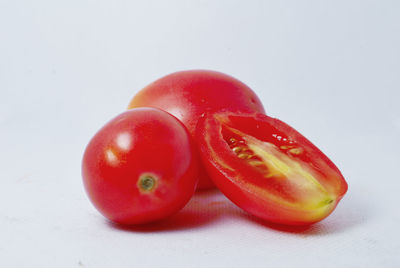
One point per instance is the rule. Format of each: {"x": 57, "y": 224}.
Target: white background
{"x": 329, "y": 68}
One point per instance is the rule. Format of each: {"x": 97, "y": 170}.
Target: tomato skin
{"x": 189, "y": 94}
{"x": 140, "y": 148}
{"x": 270, "y": 198}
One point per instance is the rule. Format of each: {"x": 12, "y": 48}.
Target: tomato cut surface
{"x": 268, "y": 168}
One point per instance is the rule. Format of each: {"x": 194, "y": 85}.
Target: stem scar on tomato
{"x": 147, "y": 183}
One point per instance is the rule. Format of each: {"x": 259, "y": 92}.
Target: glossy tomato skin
{"x": 140, "y": 167}
{"x": 189, "y": 94}
{"x": 274, "y": 198}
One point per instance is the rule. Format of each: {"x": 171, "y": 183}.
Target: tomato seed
{"x": 255, "y": 157}
{"x": 296, "y": 151}
{"x": 244, "y": 156}
{"x": 237, "y": 149}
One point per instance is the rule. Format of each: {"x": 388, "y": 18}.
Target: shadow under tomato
{"x": 313, "y": 229}
{"x": 205, "y": 208}
{"x": 348, "y": 215}
{"x": 209, "y": 207}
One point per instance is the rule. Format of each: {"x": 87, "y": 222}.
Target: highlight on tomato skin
{"x": 268, "y": 168}
{"x": 188, "y": 94}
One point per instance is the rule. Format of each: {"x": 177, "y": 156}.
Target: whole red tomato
{"x": 189, "y": 94}
{"x": 140, "y": 167}
{"x": 268, "y": 168}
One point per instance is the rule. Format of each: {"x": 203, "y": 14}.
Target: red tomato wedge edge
{"x": 269, "y": 169}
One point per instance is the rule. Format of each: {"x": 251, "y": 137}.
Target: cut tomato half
{"x": 268, "y": 168}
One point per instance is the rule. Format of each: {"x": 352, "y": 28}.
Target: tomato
{"x": 140, "y": 167}
{"x": 189, "y": 94}
{"x": 268, "y": 168}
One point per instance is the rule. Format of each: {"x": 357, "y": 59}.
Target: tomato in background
{"x": 268, "y": 168}
{"x": 189, "y": 94}
{"x": 140, "y": 167}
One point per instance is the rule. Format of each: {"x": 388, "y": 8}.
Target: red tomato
{"x": 140, "y": 167}
{"x": 189, "y": 94}
{"x": 268, "y": 168}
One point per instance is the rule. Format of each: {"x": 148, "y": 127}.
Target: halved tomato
{"x": 268, "y": 168}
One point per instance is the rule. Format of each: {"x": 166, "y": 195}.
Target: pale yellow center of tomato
{"x": 282, "y": 164}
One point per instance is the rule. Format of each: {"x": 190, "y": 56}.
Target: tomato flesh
{"x": 189, "y": 94}
{"x": 268, "y": 168}
{"x": 142, "y": 166}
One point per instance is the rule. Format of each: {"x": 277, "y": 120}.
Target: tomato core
{"x": 280, "y": 165}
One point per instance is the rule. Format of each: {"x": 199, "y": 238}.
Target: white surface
{"x": 328, "y": 68}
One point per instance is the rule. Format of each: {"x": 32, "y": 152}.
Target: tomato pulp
{"x": 140, "y": 167}
{"x": 268, "y": 168}
{"x": 189, "y": 94}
